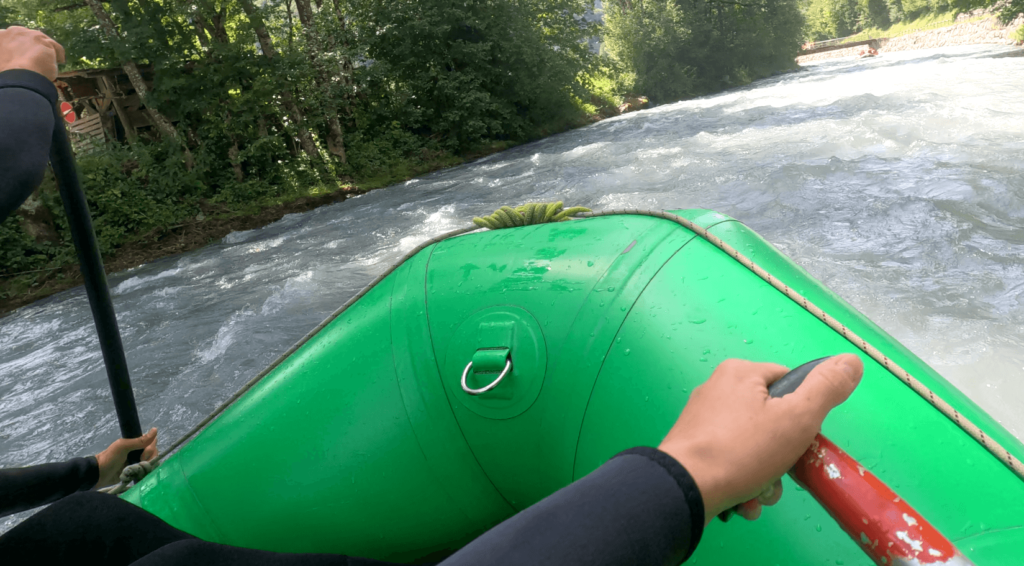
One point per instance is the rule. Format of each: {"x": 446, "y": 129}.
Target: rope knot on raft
{"x": 528, "y": 214}
{"x": 131, "y": 474}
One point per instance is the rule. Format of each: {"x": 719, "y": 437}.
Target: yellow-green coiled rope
{"x": 527, "y": 214}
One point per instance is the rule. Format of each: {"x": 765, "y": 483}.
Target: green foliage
{"x": 131, "y": 191}
{"x": 672, "y": 49}
{"x": 874, "y": 12}
{"x": 828, "y": 19}
{"x": 18, "y": 251}
{"x": 400, "y": 85}
{"x": 8, "y": 16}
{"x": 896, "y": 13}
{"x": 652, "y": 40}
{"x": 469, "y": 71}
{"x": 1008, "y": 9}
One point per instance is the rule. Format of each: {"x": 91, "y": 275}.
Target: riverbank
{"x": 216, "y": 220}
{"x": 967, "y": 31}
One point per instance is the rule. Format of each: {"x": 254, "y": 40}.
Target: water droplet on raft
{"x": 703, "y": 359}
{"x": 627, "y": 351}
{"x": 817, "y": 528}
{"x": 619, "y": 339}
{"x": 706, "y": 351}
{"x": 748, "y": 341}
{"x": 611, "y": 288}
{"x": 698, "y": 320}
{"x": 840, "y": 562}
{"x": 590, "y": 264}
{"x": 623, "y": 309}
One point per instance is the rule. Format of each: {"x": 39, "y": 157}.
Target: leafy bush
{"x": 469, "y": 71}
{"x": 652, "y": 41}
{"x": 674, "y": 49}
{"x": 827, "y": 19}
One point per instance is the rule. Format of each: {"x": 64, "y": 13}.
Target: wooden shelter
{"x": 106, "y": 103}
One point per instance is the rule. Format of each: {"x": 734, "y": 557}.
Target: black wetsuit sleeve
{"x": 25, "y": 488}
{"x": 640, "y": 508}
{"x": 26, "y": 127}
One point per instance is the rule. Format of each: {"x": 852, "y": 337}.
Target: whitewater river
{"x": 898, "y": 181}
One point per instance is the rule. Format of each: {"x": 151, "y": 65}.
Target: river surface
{"x": 897, "y": 181}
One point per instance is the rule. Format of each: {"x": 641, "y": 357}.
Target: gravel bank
{"x": 967, "y": 33}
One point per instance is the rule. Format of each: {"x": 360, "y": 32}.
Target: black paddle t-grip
{"x": 789, "y": 382}
{"x": 784, "y": 386}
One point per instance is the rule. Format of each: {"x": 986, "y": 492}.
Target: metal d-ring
{"x": 486, "y": 388}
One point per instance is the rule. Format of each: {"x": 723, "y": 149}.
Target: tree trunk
{"x": 219, "y": 36}
{"x": 287, "y": 100}
{"x": 291, "y": 26}
{"x": 162, "y": 124}
{"x": 347, "y": 69}
{"x": 335, "y": 136}
{"x": 219, "y": 32}
{"x": 106, "y": 85}
{"x": 289, "y": 140}
{"x": 200, "y": 24}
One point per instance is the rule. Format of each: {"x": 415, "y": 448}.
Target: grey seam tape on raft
{"x": 1002, "y": 454}
{"x": 945, "y": 408}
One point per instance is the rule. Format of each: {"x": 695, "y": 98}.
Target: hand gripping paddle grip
{"x": 885, "y": 526}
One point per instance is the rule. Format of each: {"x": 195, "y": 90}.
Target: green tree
{"x": 673, "y": 49}
{"x": 827, "y": 19}
{"x": 651, "y": 40}
{"x": 464, "y": 71}
{"x": 874, "y": 13}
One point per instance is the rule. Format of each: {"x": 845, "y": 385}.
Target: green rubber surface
{"x": 364, "y": 443}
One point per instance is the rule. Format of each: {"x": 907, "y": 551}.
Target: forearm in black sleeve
{"x": 25, "y": 488}
{"x": 639, "y": 508}
{"x": 26, "y": 127}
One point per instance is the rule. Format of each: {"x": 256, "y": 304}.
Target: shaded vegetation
{"x": 254, "y": 105}
{"x": 828, "y": 19}
{"x": 673, "y": 49}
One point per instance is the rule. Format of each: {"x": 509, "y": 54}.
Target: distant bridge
{"x": 838, "y": 43}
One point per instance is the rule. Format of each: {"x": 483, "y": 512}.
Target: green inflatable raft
{"x": 373, "y": 437}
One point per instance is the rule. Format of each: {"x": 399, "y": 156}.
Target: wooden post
{"x": 107, "y": 88}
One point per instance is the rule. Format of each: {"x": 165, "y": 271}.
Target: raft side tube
{"x": 320, "y": 456}
{"x": 364, "y": 443}
{"x": 563, "y": 290}
{"x": 703, "y": 308}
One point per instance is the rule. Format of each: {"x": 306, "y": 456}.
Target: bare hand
{"x": 112, "y": 460}
{"x": 737, "y": 442}
{"x": 23, "y": 48}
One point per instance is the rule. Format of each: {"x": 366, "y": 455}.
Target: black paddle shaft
{"x": 75, "y": 206}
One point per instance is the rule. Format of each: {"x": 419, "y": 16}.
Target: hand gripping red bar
{"x": 886, "y": 527}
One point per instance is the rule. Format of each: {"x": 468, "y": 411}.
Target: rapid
{"x": 897, "y": 181}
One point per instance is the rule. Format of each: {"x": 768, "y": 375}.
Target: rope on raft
{"x": 131, "y": 474}
{"x": 527, "y": 215}
{"x": 539, "y": 213}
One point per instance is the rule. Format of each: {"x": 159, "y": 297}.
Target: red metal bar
{"x": 888, "y": 529}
